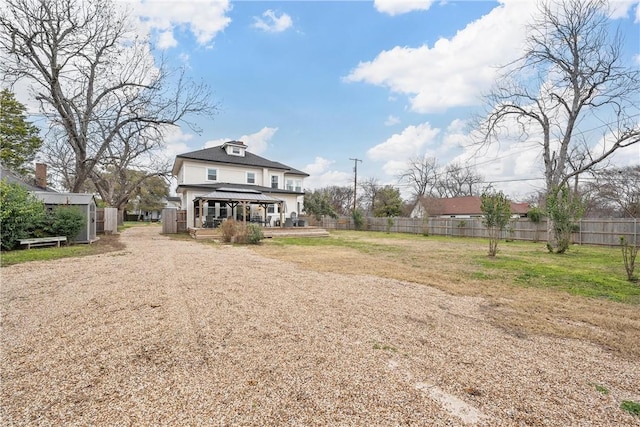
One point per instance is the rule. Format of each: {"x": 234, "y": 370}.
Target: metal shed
{"x": 86, "y": 203}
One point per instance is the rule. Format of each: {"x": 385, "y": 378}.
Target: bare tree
{"x": 370, "y": 188}
{"x": 421, "y": 175}
{"x": 618, "y": 189}
{"x": 459, "y": 180}
{"x": 341, "y": 198}
{"x": 131, "y": 159}
{"x": 571, "y": 77}
{"x": 93, "y": 76}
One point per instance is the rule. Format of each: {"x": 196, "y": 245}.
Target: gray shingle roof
{"x": 219, "y": 155}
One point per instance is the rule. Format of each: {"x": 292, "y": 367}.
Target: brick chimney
{"x": 41, "y": 175}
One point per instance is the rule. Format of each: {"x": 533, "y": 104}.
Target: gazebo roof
{"x": 239, "y": 195}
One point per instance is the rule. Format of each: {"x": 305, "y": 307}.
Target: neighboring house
{"x": 227, "y": 181}
{"x": 85, "y": 203}
{"x": 459, "y": 207}
{"x": 39, "y": 183}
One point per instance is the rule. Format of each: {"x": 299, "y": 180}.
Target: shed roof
{"x": 64, "y": 198}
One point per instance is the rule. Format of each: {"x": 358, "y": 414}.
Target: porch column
{"x": 200, "y": 205}
{"x": 280, "y": 208}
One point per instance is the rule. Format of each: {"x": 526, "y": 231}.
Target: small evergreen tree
{"x": 387, "y": 202}
{"x": 19, "y": 139}
{"x": 497, "y": 212}
{"x": 318, "y": 203}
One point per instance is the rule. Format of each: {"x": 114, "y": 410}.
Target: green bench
{"x": 43, "y": 241}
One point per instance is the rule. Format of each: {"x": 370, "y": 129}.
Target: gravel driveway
{"x": 172, "y": 332}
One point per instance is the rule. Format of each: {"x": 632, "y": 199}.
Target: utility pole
{"x": 355, "y": 180}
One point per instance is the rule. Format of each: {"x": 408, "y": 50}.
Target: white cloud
{"x": 391, "y": 120}
{"x": 404, "y": 145}
{"x": 166, "y": 40}
{"x": 272, "y": 23}
{"x": 397, "y": 7}
{"x": 320, "y": 175}
{"x": 175, "y": 142}
{"x": 455, "y": 136}
{"x": 204, "y": 18}
{"x": 319, "y": 165}
{"x": 256, "y": 142}
{"x": 453, "y": 72}
{"x": 621, "y": 8}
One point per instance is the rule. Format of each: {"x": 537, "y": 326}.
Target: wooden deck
{"x": 269, "y": 232}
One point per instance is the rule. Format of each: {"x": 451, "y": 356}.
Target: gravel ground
{"x": 171, "y": 332}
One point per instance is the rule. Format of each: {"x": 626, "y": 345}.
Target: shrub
{"x": 254, "y": 234}
{"x": 497, "y": 211}
{"x": 237, "y": 232}
{"x": 229, "y": 229}
{"x": 65, "y": 221}
{"x": 629, "y": 254}
{"x": 20, "y": 214}
{"x": 390, "y": 223}
{"x": 358, "y": 219}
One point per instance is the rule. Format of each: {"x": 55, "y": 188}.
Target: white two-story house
{"x": 227, "y": 181}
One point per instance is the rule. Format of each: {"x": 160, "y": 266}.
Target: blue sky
{"x": 314, "y": 83}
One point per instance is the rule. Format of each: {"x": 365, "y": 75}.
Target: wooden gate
{"x": 174, "y": 221}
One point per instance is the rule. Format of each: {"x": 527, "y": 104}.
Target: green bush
{"x": 254, "y": 234}
{"x": 358, "y": 219}
{"x": 65, "y": 221}
{"x": 20, "y": 214}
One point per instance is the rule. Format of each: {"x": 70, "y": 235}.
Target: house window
{"x": 251, "y": 178}
{"x": 235, "y": 150}
{"x": 212, "y": 174}
{"x": 271, "y": 209}
{"x": 294, "y": 185}
{"x": 274, "y": 181}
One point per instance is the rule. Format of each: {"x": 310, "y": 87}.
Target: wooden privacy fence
{"x": 588, "y": 231}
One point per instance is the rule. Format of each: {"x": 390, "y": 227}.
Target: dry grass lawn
{"x": 448, "y": 265}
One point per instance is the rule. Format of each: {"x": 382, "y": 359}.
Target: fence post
{"x": 580, "y": 232}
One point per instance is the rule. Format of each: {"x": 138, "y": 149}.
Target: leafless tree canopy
{"x": 571, "y": 79}
{"x": 422, "y": 175}
{"x": 427, "y": 179}
{"x": 96, "y": 82}
{"x": 616, "y": 192}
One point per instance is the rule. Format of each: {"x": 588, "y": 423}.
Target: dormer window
{"x": 235, "y": 148}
